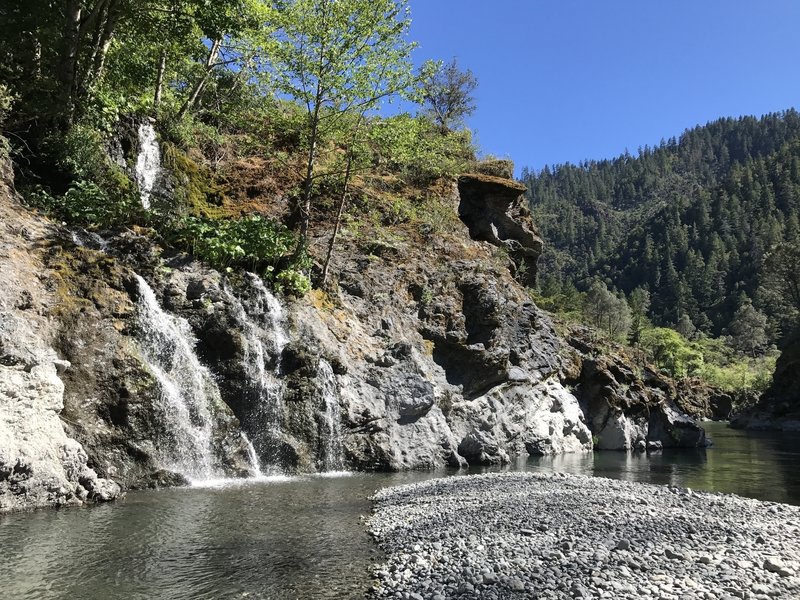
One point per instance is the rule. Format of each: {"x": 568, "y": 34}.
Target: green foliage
{"x": 672, "y": 352}
{"x": 750, "y": 375}
{"x": 79, "y": 153}
{"x": 253, "y": 242}
{"x": 607, "y": 311}
{"x": 448, "y": 93}
{"x": 748, "y": 330}
{"x": 6, "y": 102}
{"x": 415, "y": 149}
{"x": 339, "y": 58}
{"x": 690, "y": 220}
{"x": 87, "y": 204}
{"x": 780, "y": 284}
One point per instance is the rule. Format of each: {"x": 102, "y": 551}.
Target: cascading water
{"x": 148, "y": 162}
{"x": 332, "y": 457}
{"x": 269, "y": 306}
{"x": 266, "y": 337}
{"x": 184, "y": 444}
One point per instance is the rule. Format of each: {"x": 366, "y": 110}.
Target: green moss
{"x": 198, "y": 189}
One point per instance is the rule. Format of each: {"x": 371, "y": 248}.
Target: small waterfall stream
{"x": 332, "y": 458}
{"x": 265, "y": 334}
{"x": 148, "y": 162}
{"x": 184, "y": 443}
{"x": 186, "y": 406}
{"x": 264, "y": 325}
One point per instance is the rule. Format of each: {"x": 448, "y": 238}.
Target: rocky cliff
{"x": 40, "y": 464}
{"x": 127, "y": 364}
{"x": 779, "y": 407}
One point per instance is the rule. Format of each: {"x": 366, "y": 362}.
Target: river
{"x": 283, "y": 538}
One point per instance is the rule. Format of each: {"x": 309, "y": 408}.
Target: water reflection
{"x": 303, "y": 538}
{"x": 757, "y": 465}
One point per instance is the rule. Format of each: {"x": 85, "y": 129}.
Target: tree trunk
{"x": 308, "y": 181}
{"x": 201, "y": 83}
{"x": 339, "y": 214}
{"x": 69, "y": 59}
{"x": 162, "y": 67}
{"x": 100, "y": 8}
{"x": 109, "y": 29}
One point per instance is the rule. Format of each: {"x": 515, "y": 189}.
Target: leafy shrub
{"x": 6, "y": 102}
{"x": 252, "y": 242}
{"x": 672, "y": 352}
{"x": 415, "y": 148}
{"x": 85, "y": 203}
{"x": 79, "y": 153}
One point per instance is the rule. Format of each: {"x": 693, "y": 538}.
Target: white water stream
{"x": 331, "y": 432}
{"x": 188, "y": 393}
{"x": 148, "y": 162}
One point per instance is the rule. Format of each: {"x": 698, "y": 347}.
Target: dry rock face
{"x": 39, "y": 464}
{"x": 626, "y": 410}
{"x": 493, "y": 209}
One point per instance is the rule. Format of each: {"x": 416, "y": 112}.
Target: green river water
{"x": 303, "y": 537}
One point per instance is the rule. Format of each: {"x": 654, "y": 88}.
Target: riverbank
{"x": 523, "y": 535}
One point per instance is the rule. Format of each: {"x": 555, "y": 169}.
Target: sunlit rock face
{"x": 125, "y": 364}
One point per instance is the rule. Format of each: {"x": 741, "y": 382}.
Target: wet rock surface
{"x": 528, "y": 535}
{"x": 437, "y": 359}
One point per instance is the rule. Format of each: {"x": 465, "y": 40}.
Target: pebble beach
{"x": 531, "y": 535}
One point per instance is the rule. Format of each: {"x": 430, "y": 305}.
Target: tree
{"x": 780, "y": 284}
{"x": 671, "y": 352}
{"x": 607, "y": 311}
{"x": 339, "y": 58}
{"x": 639, "y": 303}
{"x": 447, "y": 92}
{"x": 74, "y": 47}
{"x": 748, "y": 329}
{"x": 685, "y": 327}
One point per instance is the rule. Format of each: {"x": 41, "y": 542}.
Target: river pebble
{"x": 534, "y": 535}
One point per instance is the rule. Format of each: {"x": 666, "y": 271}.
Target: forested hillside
{"x": 706, "y": 223}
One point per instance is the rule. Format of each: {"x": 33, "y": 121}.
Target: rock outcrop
{"x": 40, "y": 465}
{"x": 779, "y": 407}
{"x": 628, "y": 408}
{"x": 494, "y": 211}
{"x": 437, "y": 359}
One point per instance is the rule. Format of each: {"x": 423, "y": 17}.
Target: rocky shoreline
{"x": 525, "y": 535}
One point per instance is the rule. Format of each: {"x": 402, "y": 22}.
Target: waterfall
{"x": 188, "y": 392}
{"x": 148, "y": 162}
{"x": 88, "y": 239}
{"x": 330, "y": 433}
{"x": 265, "y": 334}
{"x": 270, "y": 307}
{"x": 252, "y": 457}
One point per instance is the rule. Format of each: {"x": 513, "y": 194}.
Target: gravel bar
{"x": 533, "y": 535}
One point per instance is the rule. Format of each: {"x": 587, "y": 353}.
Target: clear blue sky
{"x": 564, "y": 80}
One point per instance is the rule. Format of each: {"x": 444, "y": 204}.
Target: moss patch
{"x": 198, "y": 189}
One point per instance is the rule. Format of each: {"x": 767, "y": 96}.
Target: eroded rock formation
{"x": 494, "y": 211}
